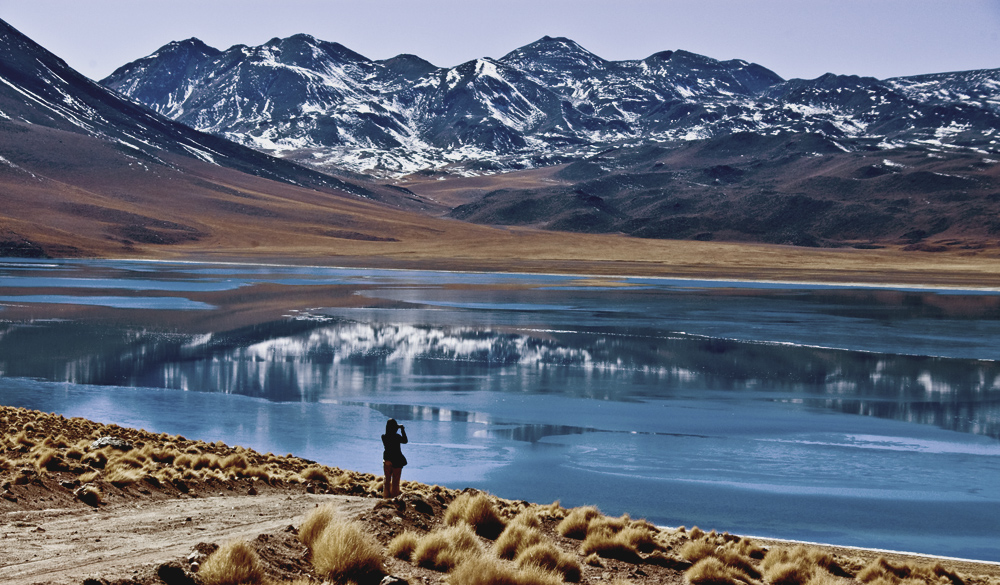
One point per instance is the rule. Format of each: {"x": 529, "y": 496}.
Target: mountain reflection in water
{"x": 338, "y": 359}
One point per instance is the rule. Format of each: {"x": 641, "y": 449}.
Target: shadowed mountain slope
{"x": 799, "y": 189}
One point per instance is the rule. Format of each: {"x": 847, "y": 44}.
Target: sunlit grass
{"x": 477, "y": 511}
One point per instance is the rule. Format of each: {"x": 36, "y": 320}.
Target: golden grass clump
{"x": 122, "y": 476}
{"x": 132, "y": 459}
{"x": 165, "y": 455}
{"x": 883, "y": 572}
{"x": 234, "y": 563}
{"x": 314, "y": 473}
{"x": 697, "y": 549}
{"x": 747, "y": 547}
{"x": 403, "y": 545}
{"x": 731, "y": 557}
{"x": 258, "y": 471}
{"x": 315, "y": 523}
{"x": 89, "y": 476}
{"x": 492, "y": 571}
{"x": 713, "y": 571}
{"x": 553, "y": 510}
{"x": 546, "y": 556}
{"x": 22, "y": 440}
{"x": 49, "y": 459}
{"x": 89, "y": 494}
{"x": 609, "y": 545}
{"x": 476, "y": 510}
{"x": 444, "y": 549}
{"x": 527, "y": 517}
{"x": 799, "y": 565}
{"x": 344, "y": 551}
{"x": 577, "y": 521}
{"x": 619, "y": 538}
{"x": 608, "y": 524}
{"x": 234, "y": 461}
{"x": 515, "y": 538}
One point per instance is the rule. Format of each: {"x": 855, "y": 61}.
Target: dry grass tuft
{"x": 577, "y": 521}
{"x": 732, "y": 558}
{"x": 492, "y": 571}
{"x": 712, "y": 571}
{"x": 476, "y": 510}
{"x": 314, "y": 473}
{"x": 96, "y": 459}
{"x": 235, "y": 461}
{"x": 608, "y": 524}
{"x": 89, "y": 494}
{"x": 403, "y": 545}
{"x": 122, "y": 476}
{"x": 234, "y": 563}
{"x": 554, "y": 510}
{"x": 528, "y": 518}
{"x": 344, "y": 551}
{"x": 609, "y": 545}
{"x": 546, "y": 556}
{"x": 799, "y": 565}
{"x": 514, "y": 539}
{"x": 315, "y": 523}
{"x": 640, "y": 537}
{"x": 22, "y": 440}
{"x": 443, "y": 550}
{"x": 884, "y": 572}
{"x": 695, "y": 550}
{"x": 49, "y": 459}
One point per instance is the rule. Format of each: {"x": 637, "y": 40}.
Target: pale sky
{"x": 794, "y": 38}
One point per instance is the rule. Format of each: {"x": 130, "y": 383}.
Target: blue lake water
{"x": 856, "y": 416}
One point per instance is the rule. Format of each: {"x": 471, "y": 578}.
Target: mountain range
{"x": 549, "y": 137}
{"x": 548, "y": 102}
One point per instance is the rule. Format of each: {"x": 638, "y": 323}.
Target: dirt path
{"x": 66, "y": 546}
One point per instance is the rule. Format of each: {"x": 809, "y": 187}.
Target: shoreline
{"x": 715, "y": 280}
{"x": 45, "y": 512}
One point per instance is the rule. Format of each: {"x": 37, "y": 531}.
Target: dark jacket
{"x": 392, "y": 452}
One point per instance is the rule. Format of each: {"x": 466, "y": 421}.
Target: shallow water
{"x": 855, "y": 416}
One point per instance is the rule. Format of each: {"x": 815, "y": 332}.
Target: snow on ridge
{"x": 367, "y": 116}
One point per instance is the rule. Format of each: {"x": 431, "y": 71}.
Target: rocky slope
{"x": 798, "y": 189}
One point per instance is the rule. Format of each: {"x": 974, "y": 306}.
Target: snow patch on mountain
{"x": 321, "y": 104}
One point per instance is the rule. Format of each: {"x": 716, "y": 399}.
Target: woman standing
{"x": 392, "y": 458}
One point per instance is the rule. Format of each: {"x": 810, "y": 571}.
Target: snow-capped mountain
{"x": 38, "y": 88}
{"x": 85, "y": 172}
{"x": 549, "y": 101}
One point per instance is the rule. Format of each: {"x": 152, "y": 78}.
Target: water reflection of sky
{"x": 856, "y": 416}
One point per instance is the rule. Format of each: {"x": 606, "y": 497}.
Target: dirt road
{"x": 66, "y": 546}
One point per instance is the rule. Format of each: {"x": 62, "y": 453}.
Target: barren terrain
{"x": 68, "y": 544}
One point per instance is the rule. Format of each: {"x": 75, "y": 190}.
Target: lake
{"x": 859, "y": 416}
